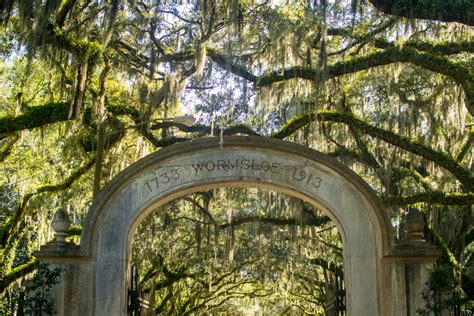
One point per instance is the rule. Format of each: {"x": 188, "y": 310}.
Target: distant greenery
{"x": 241, "y": 250}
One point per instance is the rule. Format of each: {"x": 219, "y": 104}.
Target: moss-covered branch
{"x": 441, "y": 244}
{"x": 400, "y": 173}
{"x": 18, "y": 273}
{"x": 231, "y": 130}
{"x": 51, "y": 113}
{"x": 433, "y": 197}
{"x": 444, "y": 48}
{"x": 466, "y": 148}
{"x": 228, "y": 64}
{"x": 438, "y": 157}
{"x": 390, "y": 55}
{"x": 203, "y": 129}
{"x": 345, "y": 153}
{"x": 35, "y": 117}
{"x": 160, "y": 143}
{"x": 9, "y": 229}
{"x": 461, "y": 11}
{"x": 275, "y": 221}
{"x": 8, "y": 147}
{"x": 81, "y": 47}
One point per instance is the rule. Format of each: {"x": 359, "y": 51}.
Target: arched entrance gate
{"x": 381, "y": 278}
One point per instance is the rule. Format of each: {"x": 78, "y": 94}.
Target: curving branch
{"x": 275, "y": 221}
{"x": 228, "y": 64}
{"x": 9, "y": 146}
{"x": 444, "y": 48}
{"x": 433, "y": 197}
{"x": 446, "y": 11}
{"x": 442, "y": 159}
{"x": 202, "y": 129}
{"x": 466, "y": 148}
{"x": 231, "y": 130}
{"x": 9, "y": 229}
{"x": 430, "y": 59}
{"x": 18, "y": 273}
{"x": 35, "y": 117}
{"x": 438, "y": 64}
{"x": 160, "y": 143}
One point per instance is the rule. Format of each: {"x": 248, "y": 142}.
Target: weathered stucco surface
{"x": 100, "y": 265}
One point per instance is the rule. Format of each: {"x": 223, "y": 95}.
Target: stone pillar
{"x": 410, "y": 261}
{"x": 72, "y": 294}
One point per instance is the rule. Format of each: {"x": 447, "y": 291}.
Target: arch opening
{"x": 243, "y": 250}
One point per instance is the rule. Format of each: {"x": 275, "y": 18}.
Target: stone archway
{"x": 375, "y": 270}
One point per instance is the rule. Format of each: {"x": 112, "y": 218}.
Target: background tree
{"x": 84, "y": 82}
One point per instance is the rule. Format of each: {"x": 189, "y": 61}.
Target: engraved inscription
{"x": 163, "y": 178}
{"x": 302, "y": 175}
{"x": 207, "y": 167}
{"x": 233, "y": 164}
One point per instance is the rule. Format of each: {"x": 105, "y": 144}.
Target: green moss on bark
{"x": 17, "y": 273}
{"x": 406, "y": 143}
{"x": 35, "y": 117}
{"x": 434, "y": 197}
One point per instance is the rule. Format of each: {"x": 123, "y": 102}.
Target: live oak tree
{"x": 84, "y": 82}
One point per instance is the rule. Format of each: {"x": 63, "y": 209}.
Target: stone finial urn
{"x": 61, "y": 224}
{"x": 415, "y": 223}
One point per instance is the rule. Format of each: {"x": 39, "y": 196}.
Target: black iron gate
{"x": 136, "y": 304}
{"x": 336, "y": 295}
{"x": 340, "y": 303}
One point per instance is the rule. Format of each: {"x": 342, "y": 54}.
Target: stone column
{"x": 411, "y": 260}
{"x": 72, "y": 294}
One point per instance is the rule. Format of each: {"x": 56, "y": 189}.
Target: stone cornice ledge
{"x": 414, "y": 251}
{"x": 61, "y": 253}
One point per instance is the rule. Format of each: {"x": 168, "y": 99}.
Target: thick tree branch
{"x": 231, "y": 130}
{"x": 35, "y": 117}
{"x": 18, "y": 273}
{"x": 444, "y": 48}
{"x": 345, "y": 153}
{"x": 160, "y": 143}
{"x": 228, "y": 64}
{"x": 466, "y": 148}
{"x": 440, "y": 158}
{"x": 362, "y": 145}
{"x": 48, "y": 113}
{"x": 9, "y": 146}
{"x": 275, "y": 221}
{"x": 446, "y": 11}
{"x": 390, "y": 55}
{"x": 63, "y": 13}
{"x": 433, "y": 197}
